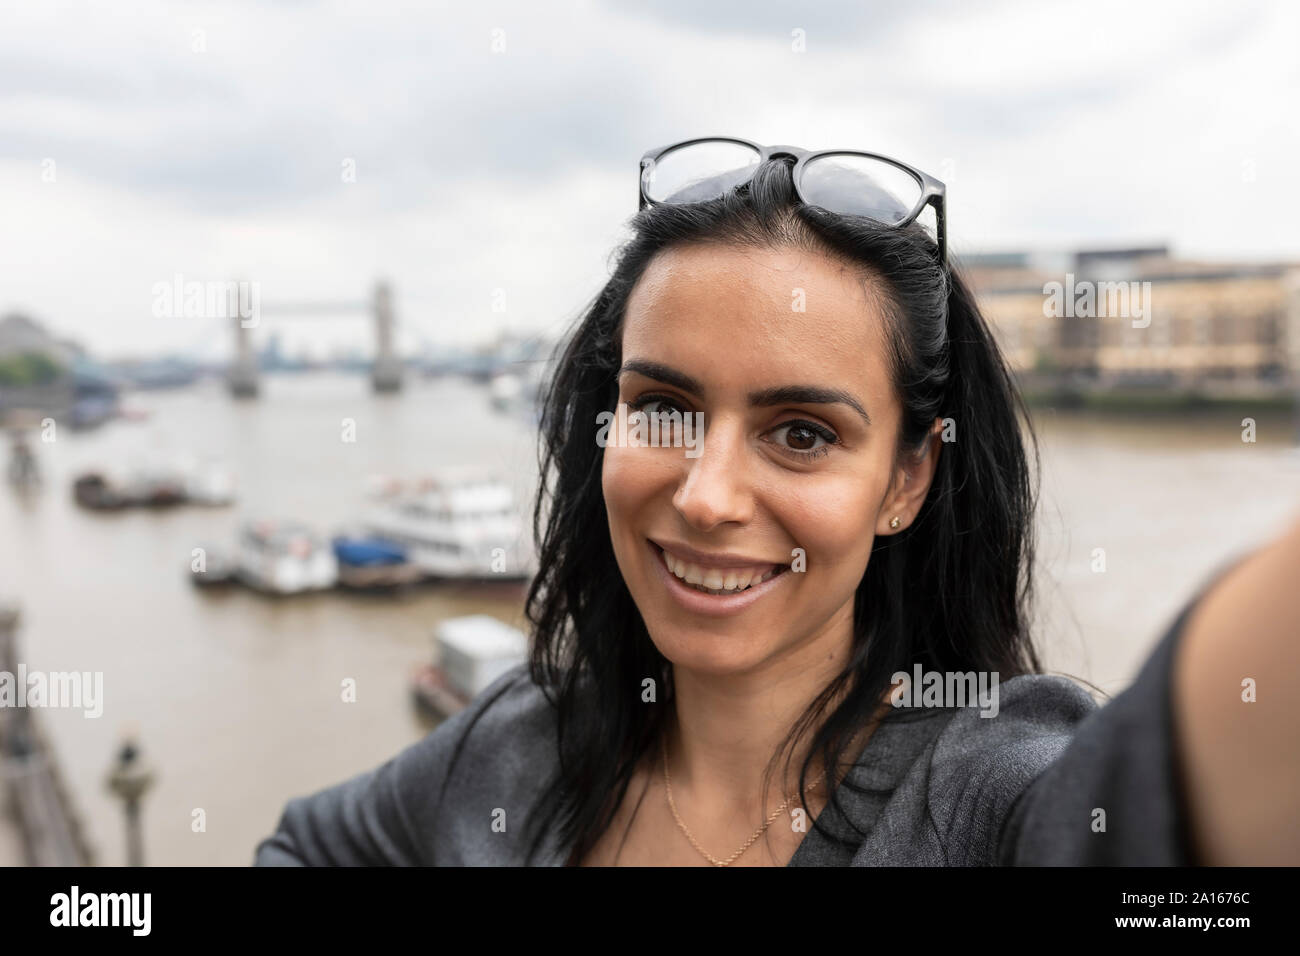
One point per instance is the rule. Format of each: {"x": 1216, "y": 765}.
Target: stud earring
{"x": 894, "y": 522}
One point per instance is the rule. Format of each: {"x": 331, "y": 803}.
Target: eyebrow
{"x": 780, "y": 395}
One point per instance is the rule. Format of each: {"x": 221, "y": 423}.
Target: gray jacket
{"x": 1051, "y": 779}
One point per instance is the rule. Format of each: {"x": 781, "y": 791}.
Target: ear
{"x": 911, "y": 483}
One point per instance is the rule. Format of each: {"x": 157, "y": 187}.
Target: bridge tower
{"x": 243, "y": 367}
{"x": 386, "y": 375}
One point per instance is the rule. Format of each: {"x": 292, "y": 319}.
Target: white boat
{"x": 284, "y": 557}
{"x": 156, "y": 481}
{"x": 208, "y": 483}
{"x": 216, "y": 567}
{"x": 474, "y": 651}
{"x": 519, "y": 390}
{"x": 505, "y": 390}
{"x": 463, "y": 525}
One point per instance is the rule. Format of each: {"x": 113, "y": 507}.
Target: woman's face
{"x": 782, "y": 353}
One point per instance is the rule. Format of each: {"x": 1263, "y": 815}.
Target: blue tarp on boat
{"x": 367, "y": 552}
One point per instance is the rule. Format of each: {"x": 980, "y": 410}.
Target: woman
{"x": 721, "y": 629}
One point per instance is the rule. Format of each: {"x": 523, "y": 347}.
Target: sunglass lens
{"x": 700, "y": 171}
{"x": 860, "y": 186}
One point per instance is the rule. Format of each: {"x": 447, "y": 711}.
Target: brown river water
{"x": 236, "y": 696}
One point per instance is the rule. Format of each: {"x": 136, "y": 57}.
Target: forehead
{"x": 747, "y": 318}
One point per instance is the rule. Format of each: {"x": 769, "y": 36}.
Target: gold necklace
{"x": 748, "y": 843}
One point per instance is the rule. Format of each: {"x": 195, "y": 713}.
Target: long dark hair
{"x": 951, "y": 592}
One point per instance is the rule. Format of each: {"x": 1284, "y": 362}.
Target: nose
{"x": 716, "y": 490}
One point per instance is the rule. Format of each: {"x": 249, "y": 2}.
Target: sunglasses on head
{"x": 844, "y": 181}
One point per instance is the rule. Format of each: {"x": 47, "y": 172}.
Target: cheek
{"x": 835, "y": 527}
{"x": 629, "y": 482}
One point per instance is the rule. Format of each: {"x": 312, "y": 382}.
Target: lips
{"x": 716, "y": 580}
{"x": 731, "y": 584}
{"x": 700, "y": 602}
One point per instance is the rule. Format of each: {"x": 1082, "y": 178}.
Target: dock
{"x": 39, "y": 825}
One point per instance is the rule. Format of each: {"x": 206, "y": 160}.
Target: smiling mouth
{"x": 728, "y": 581}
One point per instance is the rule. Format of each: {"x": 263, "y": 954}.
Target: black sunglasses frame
{"x": 933, "y": 192}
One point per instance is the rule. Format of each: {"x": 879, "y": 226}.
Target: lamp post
{"x": 129, "y": 778}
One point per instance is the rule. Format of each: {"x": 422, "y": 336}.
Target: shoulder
{"x": 472, "y": 783}
{"x": 502, "y": 724}
{"x": 460, "y": 796}
{"x": 939, "y": 782}
{"x": 986, "y": 757}
{"x": 1055, "y": 779}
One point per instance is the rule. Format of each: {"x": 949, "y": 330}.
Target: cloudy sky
{"x": 495, "y": 145}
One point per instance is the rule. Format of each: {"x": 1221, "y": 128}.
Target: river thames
{"x": 236, "y": 696}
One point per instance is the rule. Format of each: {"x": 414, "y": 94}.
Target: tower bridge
{"x": 385, "y": 374}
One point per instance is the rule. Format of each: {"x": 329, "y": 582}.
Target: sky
{"x": 482, "y": 157}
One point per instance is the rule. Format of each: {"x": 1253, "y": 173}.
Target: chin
{"x": 708, "y": 652}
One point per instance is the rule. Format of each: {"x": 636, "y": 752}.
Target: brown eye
{"x": 801, "y": 437}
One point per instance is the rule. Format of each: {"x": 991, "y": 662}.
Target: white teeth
{"x": 713, "y": 580}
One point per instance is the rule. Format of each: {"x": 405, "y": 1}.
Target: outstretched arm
{"x": 1241, "y": 757}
